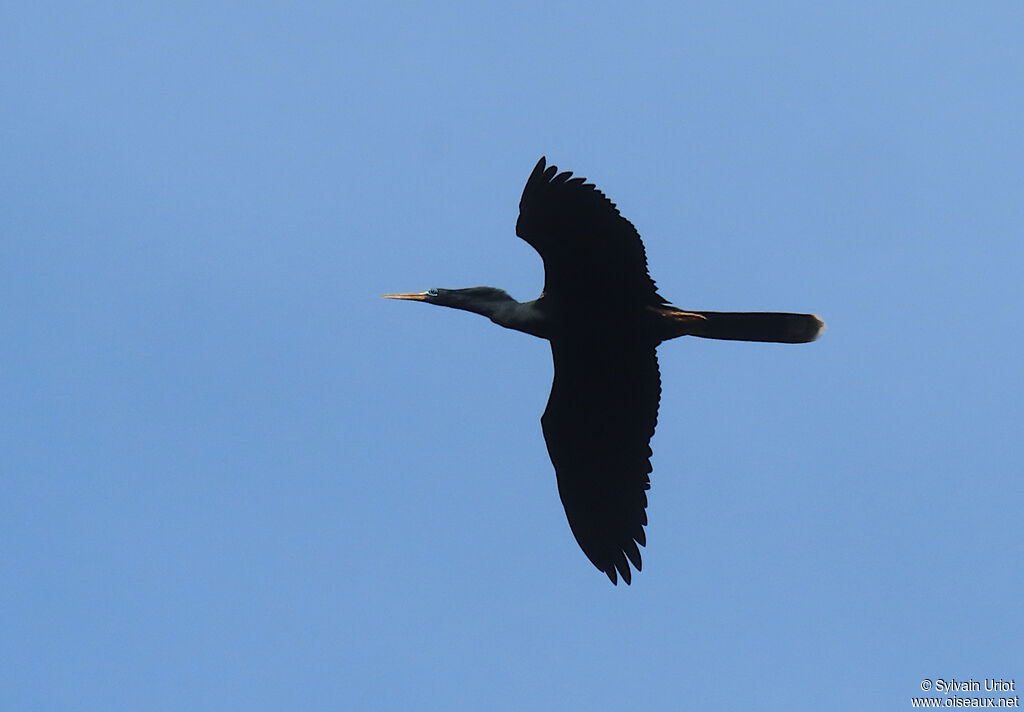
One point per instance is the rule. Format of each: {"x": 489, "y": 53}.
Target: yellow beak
{"x": 412, "y": 296}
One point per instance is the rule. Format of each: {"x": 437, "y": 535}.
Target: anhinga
{"x": 604, "y": 318}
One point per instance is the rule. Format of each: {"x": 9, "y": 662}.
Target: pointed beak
{"x": 412, "y": 296}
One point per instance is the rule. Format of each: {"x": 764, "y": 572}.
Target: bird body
{"x": 604, "y": 318}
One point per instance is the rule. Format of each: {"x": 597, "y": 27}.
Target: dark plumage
{"x": 603, "y": 315}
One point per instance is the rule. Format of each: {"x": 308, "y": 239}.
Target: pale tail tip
{"x": 821, "y": 327}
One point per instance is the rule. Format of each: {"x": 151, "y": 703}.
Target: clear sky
{"x": 232, "y": 477}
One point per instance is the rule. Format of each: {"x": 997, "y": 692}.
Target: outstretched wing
{"x": 588, "y": 248}
{"x": 598, "y": 425}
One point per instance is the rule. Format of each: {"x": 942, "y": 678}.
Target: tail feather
{"x": 755, "y": 326}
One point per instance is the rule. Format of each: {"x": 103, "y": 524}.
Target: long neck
{"x": 519, "y": 316}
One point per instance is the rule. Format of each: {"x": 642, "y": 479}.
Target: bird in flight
{"x": 603, "y": 315}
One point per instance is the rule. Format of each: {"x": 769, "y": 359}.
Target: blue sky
{"x": 231, "y": 477}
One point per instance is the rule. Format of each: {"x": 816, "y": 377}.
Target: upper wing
{"x": 598, "y": 425}
{"x": 586, "y": 245}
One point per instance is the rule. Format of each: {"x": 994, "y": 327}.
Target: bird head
{"x": 470, "y": 298}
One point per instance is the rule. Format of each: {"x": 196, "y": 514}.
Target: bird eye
{"x": 431, "y": 292}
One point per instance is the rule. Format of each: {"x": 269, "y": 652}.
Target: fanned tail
{"x": 778, "y": 327}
